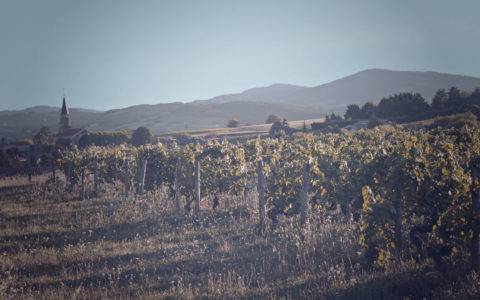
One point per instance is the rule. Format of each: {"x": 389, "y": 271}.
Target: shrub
{"x": 374, "y": 122}
{"x": 272, "y": 119}
{"x": 233, "y": 123}
{"x": 353, "y": 112}
{"x": 141, "y": 136}
{"x": 281, "y": 129}
{"x": 455, "y": 121}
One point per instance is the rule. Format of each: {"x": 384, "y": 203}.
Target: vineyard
{"x": 407, "y": 196}
{"x": 410, "y": 192}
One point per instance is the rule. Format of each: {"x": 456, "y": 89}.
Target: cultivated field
{"x": 243, "y": 131}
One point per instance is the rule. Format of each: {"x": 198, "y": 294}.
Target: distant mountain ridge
{"x": 367, "y": 85}
{"x": 251, "y": 106}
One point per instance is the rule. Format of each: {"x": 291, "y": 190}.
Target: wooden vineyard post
{"x": 126, "y": 181}
{"x": 30, "y": 168}
{"x": 53, "y": 168}
{"x": 177, "y": 186}
{"x": 398, "y": 206}
{"x": 304, "y": 199}
{"x": 69, "y": 182}
{"x": 261, "y": 195}
{"x": 143, "y": 171}
{"x": 197, "y": 187}
{"x": 95, "y": 177}
{"x": 82, "y": 188}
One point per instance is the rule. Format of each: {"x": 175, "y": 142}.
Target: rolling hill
{"x": 250, "y": 107}
{"x": 159, "y": 118}
{"x": 368, "y": 85}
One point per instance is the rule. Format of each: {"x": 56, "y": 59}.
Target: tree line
{"x": 34, "y": 157}
{"x": 412, "y": 106}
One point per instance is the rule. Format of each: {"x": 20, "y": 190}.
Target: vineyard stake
{"x": 177, "y": 186}
{"x": 82, "y": 191}
{"x": 197, "y": 187}
{"x": 53, "y": 168}
{"x": 143, "y": 172}
{"x": 261, "y": 195}
{"x": 30, "y": 168}
{"x": 304, "y": 201}
{"x": 126, "y": 181}
{"x": 398, "y": 206}
{"x": 70, "y": 183}
{"x": 475, "y": 194}
{"x": 95, "y": 177}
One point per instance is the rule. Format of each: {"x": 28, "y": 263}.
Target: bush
{"x": 353, "y": 112}
{"x": 141, "y": 136}
{"x": 373, "y": 122}
{"x": 281, "y": 129}
{"x": 455, "y": 121}
{"x": 272, "y": 119}
{"x": 233, "y": 123}
{"x": 333, "y": 118}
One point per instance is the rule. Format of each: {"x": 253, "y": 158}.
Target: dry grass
{"x": 54, "y": 245}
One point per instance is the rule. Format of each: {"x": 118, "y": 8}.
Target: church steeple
{"x": 64, "y": 107}
{"x": 65, "y": 122}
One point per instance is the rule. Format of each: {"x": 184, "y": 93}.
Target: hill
{"x": 25, "y": 123}
{"x": 368, "y": 85}
{"x": 250, "y": 107}
{"x": 160, "y": 118}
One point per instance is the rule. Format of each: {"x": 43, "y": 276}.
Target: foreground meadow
{"x": 53, "y": 245}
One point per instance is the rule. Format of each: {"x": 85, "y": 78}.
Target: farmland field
{"x": 244, "y": 130}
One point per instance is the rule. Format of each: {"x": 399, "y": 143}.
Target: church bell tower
{"x": 65, "y": 122}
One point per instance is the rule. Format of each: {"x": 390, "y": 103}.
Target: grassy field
{"x": 55, "y": 245}
{"x": 243, "y": 131}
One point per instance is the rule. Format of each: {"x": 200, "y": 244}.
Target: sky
{"x": 106, "y": 54}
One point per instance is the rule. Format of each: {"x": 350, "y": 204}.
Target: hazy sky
{"x": 110, "y": 54}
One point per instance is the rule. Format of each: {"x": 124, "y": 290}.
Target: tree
{"x": 475, "y": 96}
{"x": 335, "y": 118}
{"x": 279, "y": 129}
{"x": 455, "y": 96}
{"x": 42, "y": 137}
{"x": 141, "y": 136}
{"x": 404, "y": 105}
{"x": 368, "y": 110}
{"x": 353, "y": 112}
{"x": 233, "y": 123}
{"x": 440, "y": 100}
{"x": 272, "y": 119}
